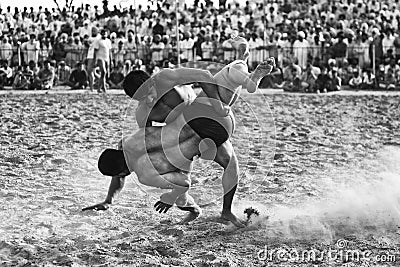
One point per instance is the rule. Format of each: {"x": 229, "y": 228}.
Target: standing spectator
{"x": 78, "y": 78}
{"x": 6, "y": 50}
{"x": 59, "y": 52}
{"x": 86, "y": 29}
{"x": 156, "y": 49}
{"x": 119, "y": 53}
{"x": 396, "y": 44}
{"x": 284, "y": 48}
{"x": 229, "y": 52}
{"x": 388, "y": 41}
{"x": 168, "y": 49}
{"x": 130, "y": 47}
{"x": 255, "y": 54}
{"x": 186, "y": 46}
{"x": 217, "y": 47}
{"x": 207, "y": 48}
{"x": 300, "y": 49}
{"x": 158, "y": 28}
{"x": 339, "y": 50}
{"x": 363, "y": 53}
{"x": 46, "y": 50}
{"x": 103, "y": 58}
{"x": 91, "y": 59}
{"x": 377, "y": 44}
{"x": 31, "y": 49}
{"x": 77, "y": 49}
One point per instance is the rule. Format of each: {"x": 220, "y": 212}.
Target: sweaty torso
{"x": 169, "y": 105}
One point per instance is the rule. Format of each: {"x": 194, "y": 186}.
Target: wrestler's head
{"x": 112, "y": 162}
{"x": 132, "y": 83}
{"x": 241, "y": 46}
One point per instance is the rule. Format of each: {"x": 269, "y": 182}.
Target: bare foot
{"x": 263, "y": 69}
{"x": 194, "y": 213}
{"x": 229, "y": 216}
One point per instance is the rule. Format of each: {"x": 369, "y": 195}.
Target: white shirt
{"x": 103, "y": 47}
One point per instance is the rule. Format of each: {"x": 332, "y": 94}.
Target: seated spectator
{"x": 63, "y": 73}
{"x": 388, "y": 57}
{"x": 291, "y": 78}
{"x": 116, "y": 77}
{"x": 389, "y": 75}
{"x": 368, "y": 80}
{"x": 323, "y": 81}
{"x": 273, "y": 79}
{"x": 335, "y": 81}
{"x": 79, "y": 77}
{"x": 6, "y": 74}
{"x": 356, "y": 81}
{"x": 21, "y": 81}
{"x": 45, "y": 77}
{"x": 309, "y": 78}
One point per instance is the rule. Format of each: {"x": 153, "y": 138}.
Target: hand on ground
{"x": 162, "y": 207}
{"x": 100, "y": 206}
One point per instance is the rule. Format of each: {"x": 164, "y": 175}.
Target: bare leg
{"x": 226, "y": 157}
{"x": 187, "y": 203}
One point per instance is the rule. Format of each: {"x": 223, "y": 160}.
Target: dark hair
{"x": 133, "y": 81}
{"x": 112, "y": 162}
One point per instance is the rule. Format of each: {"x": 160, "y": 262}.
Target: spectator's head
{"x": 62, "y": 64}
{"x": 130, "y": 36}
{"x": 95, "y": 31}
{"x": 86, "y": 24}
{"x": 113, "y": 36}
{"x": 80, "y": 66}
{"x": 120, "y": 44}
{"x": 103, "y": 34}
{"x": 32, "y": 37}
{"x": 157, "y": 39}
{"x": 5, "y": 39}
{"x": 301, "y": 35}
{"x": 77, "y": 39}
{"x": 46, "y": 64}
{"x": 133, "y": 82}
{"x": 32, "y": 64}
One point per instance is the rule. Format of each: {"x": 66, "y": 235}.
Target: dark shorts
{"x": 207, "y": 124}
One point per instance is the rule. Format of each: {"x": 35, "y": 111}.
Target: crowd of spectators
{"x": 319, "y": 45}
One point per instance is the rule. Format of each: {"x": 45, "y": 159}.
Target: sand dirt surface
{"x": 323, "y": 171}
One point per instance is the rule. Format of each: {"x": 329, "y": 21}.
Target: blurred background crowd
{"x": 320, "y": 46}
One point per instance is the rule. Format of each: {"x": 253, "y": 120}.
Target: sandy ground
{"x": 322, "y": 170}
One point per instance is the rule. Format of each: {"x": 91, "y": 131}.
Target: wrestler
{"x": 224, "y": 156}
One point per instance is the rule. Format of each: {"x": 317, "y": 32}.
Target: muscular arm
{"x": 116, "y": 185}
{"x": 180, "y": 76}
{"x": 169, "y": 78}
